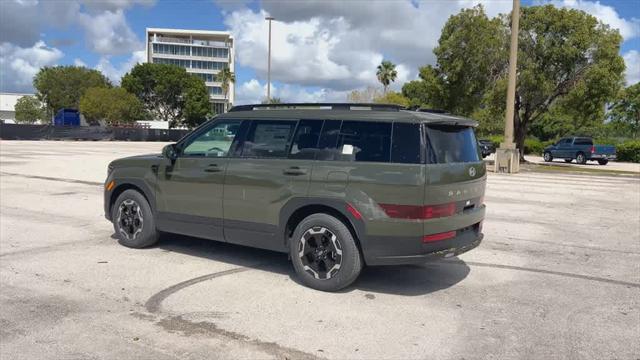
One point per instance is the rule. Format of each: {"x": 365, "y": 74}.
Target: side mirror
{"x": 170, "y": 152}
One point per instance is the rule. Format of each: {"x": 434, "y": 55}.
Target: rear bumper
{"x": 411, "y": 250}
{"x": 602, "y": 157}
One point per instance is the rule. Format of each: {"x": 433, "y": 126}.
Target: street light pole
{"x": 269, "y": 19}
{"x": 508, "y": 156}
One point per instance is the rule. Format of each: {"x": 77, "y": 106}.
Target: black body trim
{"x": 127, "y": 182}
{"x": 411, "y": 250}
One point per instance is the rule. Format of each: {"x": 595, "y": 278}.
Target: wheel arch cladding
{"x": 298, "y": 209}
{"x": 132, "y": 185}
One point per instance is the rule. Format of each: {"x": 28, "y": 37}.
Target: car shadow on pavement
{"x": 407, "y": 280}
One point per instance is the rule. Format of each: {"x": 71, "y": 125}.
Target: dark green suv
{"x": 336, "y": 186}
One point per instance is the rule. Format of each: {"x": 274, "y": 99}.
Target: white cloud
{"x": 18, "y": 64}
{"x": 337, "y": 45}
{"x": 254, "y": 92}
{"x": 79, "y": 62}
{"x": 19, "y": 22}
{"x": 115, "y": 73}
{"x": 632, "y": 62}
{"x": 108, "y": 33}
{"x": 114, "y": 5}
{"x": 629, "y": 28}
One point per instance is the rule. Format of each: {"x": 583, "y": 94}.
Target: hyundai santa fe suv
{"x": 337, "y": 186}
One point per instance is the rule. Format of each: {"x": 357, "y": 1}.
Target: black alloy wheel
{"x": 320, "y": 252}
{"x": 130, "y": 219}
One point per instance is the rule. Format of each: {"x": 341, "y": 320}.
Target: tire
{"x": 337, "y": 247}
{"x": 547, "y": 156}
{"x": 568, "y": 160}
{"x": 603, "y": 161}
{"x": 133, "y": 220}
{"x": 581, "y": 159}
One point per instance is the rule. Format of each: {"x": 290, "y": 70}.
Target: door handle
{"x": 213, "y": 168}
{"x": 294, "y": 171}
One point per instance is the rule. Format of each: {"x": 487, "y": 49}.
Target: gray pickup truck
{"x": 581, "y": 149}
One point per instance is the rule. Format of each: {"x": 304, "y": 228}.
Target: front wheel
{"x": 547, "y": 156}
{"x": 581, "y": 159}
{"x": 324, "y": 253}
{"x": 133, "y": 220}
{"x": 603, "y": 161}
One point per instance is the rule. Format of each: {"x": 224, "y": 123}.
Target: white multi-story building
{"x": 201, "y": 52}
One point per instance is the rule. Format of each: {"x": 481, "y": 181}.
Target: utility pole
{"x": 269, "y": 19}
{"x": 507, "y": 156}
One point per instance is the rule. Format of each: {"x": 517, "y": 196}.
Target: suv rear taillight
{"x": 593, "y": 149}
{"x": 415, "y": 212}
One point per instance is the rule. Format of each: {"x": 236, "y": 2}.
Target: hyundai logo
{"x": 472, "y": 171}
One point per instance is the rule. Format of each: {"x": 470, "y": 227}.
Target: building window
{"x": 171, "y": 49}
{"x": 217, "y": 108}
{"x": 206, "y": 77}
{"x": 210, "y": 52}
{"x": 214, "y": 90}
{"x": 208, "y": 65}
{"x": 179, "y": 62}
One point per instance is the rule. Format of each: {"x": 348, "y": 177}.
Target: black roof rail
{"x": 322, "y": 106}
{"x": 434, "y": 111}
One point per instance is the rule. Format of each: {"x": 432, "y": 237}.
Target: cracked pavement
{"x": 557, "y": 277}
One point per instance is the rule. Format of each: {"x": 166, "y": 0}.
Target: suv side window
{"x": 327, "y": 146}
{"x": 583, "y": 141}
{"x": 268, "y": 139}
{"x": 214, "y": 142}
{"x": 365, "y": 141}
{"x": 305, "y": 141}
{"x": 406, "y": 144}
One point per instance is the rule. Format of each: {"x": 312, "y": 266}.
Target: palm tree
{"x": 386, "y": 73}
{"x": 225, "y": 77}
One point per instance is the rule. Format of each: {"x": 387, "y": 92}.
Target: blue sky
{"x": 321, "y": 49}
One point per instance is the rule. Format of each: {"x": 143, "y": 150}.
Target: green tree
{"x": 29, "y": 110}
{"x": 625, "y": 111}
{"x": 169, "y": 93}
{"x": 366, "y": 95}
{"x": 386, "y": 73}
{"x": 225, "y": 77}
{"x": 197, "y": 106}
{"x": 61, "y": 87}
{"x": 113, "y": 105}
{"x": 392, "y": 97}
{"x": 567, "y": 61}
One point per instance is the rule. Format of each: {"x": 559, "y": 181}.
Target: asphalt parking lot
{"x": 557, "y": 277}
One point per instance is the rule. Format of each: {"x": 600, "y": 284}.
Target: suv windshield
{"x": 451, "y": 144}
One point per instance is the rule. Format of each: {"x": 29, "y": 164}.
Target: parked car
{"x": 581, "y": 149}
{"x": 486, "y": 147}
{"x": 337, "y": 186}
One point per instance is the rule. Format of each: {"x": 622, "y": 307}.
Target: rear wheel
{"x": 581, "y": 159}
{"x": 324, "y": 253}
{"x": 547, "y": 156}
{"x": 603, "y": 161}
{"x": 133, "y": 220}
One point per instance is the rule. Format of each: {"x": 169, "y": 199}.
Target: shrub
{"x": 533, "y": 146}
{"x": 629, "y": 151}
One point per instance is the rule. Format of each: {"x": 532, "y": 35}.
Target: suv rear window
{"x": 451, "y": 144}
